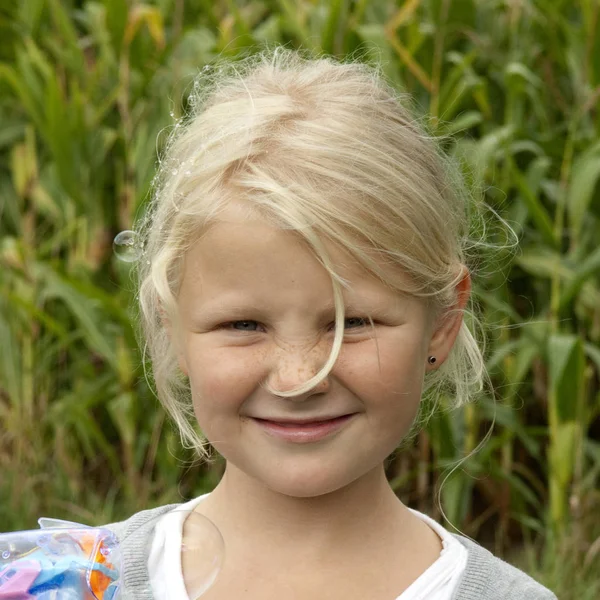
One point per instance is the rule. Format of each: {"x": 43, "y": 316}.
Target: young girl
{"x": 302, "y": 286}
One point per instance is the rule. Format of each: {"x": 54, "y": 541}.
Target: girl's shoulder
{"x": 135, "y": 539}
{"x": 140, "y": 519}
{"x": 488, "y": 577}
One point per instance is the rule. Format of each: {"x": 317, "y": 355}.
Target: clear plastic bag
{"x": 65, "y": 561}
{"x": 69, "y": 561}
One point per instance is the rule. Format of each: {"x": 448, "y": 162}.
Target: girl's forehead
{"x": 244, "y": 245}
{"x": 244, "y": 252}
{"x": 241, "y": 220}
{"x": 244, "y": 242}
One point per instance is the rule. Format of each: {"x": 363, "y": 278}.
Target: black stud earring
{"x": 431, "y": 360}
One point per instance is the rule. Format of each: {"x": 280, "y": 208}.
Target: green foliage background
{"x": 87, "y": 87}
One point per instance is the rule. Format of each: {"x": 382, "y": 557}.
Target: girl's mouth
{"x": 303, "y": 433}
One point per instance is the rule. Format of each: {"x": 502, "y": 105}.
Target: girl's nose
{"x": 294, "y": 368}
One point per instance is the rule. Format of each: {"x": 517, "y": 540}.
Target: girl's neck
{"x": 364, "y": 514}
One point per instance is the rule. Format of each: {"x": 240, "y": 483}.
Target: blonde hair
{"x": 328, "y": 150}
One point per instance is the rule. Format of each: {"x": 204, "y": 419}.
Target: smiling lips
{"x": 304, "y": 431}
{"x": 308, "y": 421}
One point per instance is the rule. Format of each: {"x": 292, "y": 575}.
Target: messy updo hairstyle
{"x": 326, "y": 149}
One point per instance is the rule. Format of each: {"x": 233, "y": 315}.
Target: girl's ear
{"x": 448, "y": 324}
{"x": 175, "y": 341}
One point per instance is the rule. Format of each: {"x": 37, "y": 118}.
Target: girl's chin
{"x": 293, "y": 480}
{"x": 310, "y": 484}
{"x": 298, "y": 476}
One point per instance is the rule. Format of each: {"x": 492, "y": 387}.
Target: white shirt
{"x": 437, "y": 582}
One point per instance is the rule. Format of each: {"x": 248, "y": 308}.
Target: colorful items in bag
{"x": 71, "y": 562}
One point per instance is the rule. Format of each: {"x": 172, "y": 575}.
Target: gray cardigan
{"x": 486, "y": 577}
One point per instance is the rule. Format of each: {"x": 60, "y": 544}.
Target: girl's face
{"x": 256, "y": 307}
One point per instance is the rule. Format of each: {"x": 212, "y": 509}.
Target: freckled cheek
{"x": 396, "y": 376}
{"x": 222, "y": 379}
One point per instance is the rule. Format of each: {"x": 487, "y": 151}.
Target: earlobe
{"x": 449, "y": 323}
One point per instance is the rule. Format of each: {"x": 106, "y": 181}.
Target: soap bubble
{"x": 127, "y": 246}
{"x": 202, "y": 552}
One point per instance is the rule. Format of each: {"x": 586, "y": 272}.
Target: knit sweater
{"x": 486, "y": 577}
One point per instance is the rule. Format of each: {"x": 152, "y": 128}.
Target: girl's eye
{"x": 251, "y": 325}
{"x": 358, "y": 322}
{"x": 361, "y": 320}
{"x": 247, "y": 325}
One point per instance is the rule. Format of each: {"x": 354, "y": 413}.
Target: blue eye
{"x": 358, "y": 322}
{"x": 363, "y": 320}
{"x": 245, "y": 322}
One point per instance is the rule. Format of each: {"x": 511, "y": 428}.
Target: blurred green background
{"x": 86, "y": 92}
